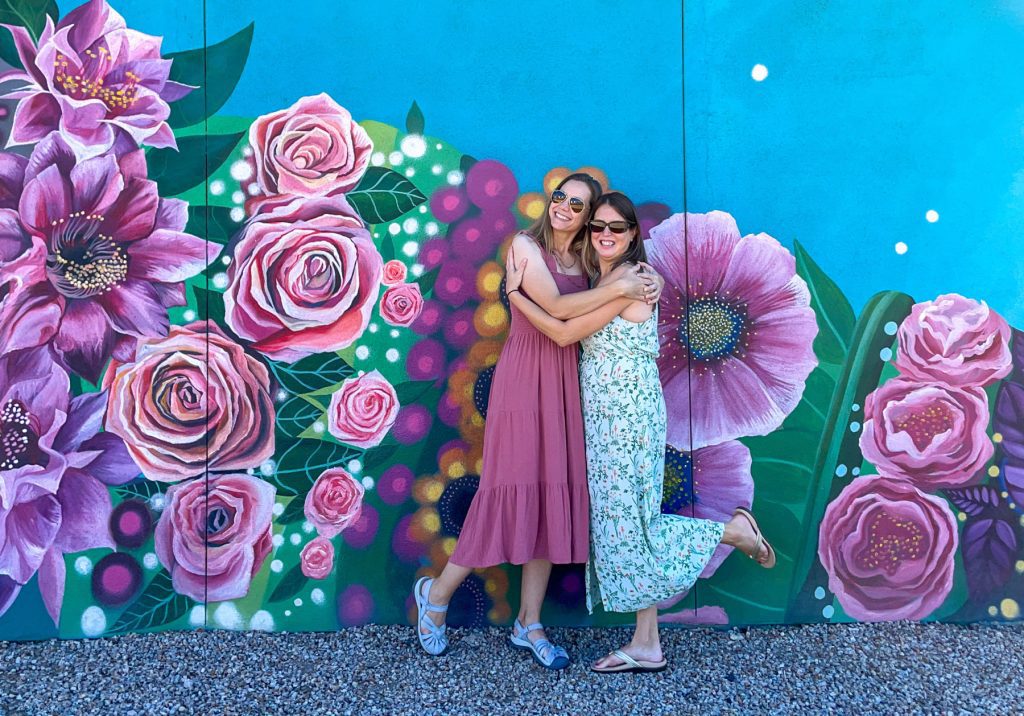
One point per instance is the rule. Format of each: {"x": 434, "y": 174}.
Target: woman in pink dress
{"x": 532, "y": 507}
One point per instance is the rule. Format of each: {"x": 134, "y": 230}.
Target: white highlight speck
{"x": 83, "y": 565}
{"x": 431, "y": 228}
{"x": 854, "y": 426}
{"x": 932, "y": 216}
{"x": 819, "y": 593}
{"x": 413, "y": 146}
{"x": 253, "y": 189}
{"x": 189, "y": 315}
{"x": 246, "y": 151}
{"x": 262, "y": 621}
{"x": 318, "y": 427}
{"x": 226, "y": 260}
{"x": 227, "y": 616}
{"x": 220, "y": 280}
{"x": 307, "y": 527}
{"x": 238, "y": 197}
{"x": 410, "y": 172}
{"x": 855, "y": 471}
{"x": 759, "y": 73}
{"x": 422, "y": 209}
{"x": 395, "y": 158}
{"x": 394, "y": 229}
{"x": 436, "y": 169}
{"x": 217, "y": 187}
{"x": 890, "y": 328}
{"x": 150, "y": 561}
{"x": 901, "y": 247}
{"x": 158, "y": 502}
{"x": 374, "y": 328}
{"x": 410, "y": 226}
{"x": 377, "y": 158}
{"x": 828, "y": 611}
{"x": 277, "y": 509}
{"x": 368, "y": 482}
{"x": 410, "y": 248}
{"x": 395, "y": 333}
{"x": 416, "y": 270}
{"x": 238, "y": 215}
{"x": 840, "y": 470}
{"x": 295, "y": 538}
{"x": 317, "y": 596}
{"x": 278, "y": 540}
{"x": 855, "y": 407}
{"x": 392, "y": 355}
{"x": 362, "y": 352}
{"x": 355, "y": 466}
{"x": 438, "y": 146}
{"x": 241, "y": 170}
{"x": 297, "y": 602}
{"x": 267, "y": 468}
{"x": 94, "y": 621}
{"x": 282, "y": 395}
{"x": 885, "y": 354}
{"x": 287, "y": 612}
{"x": 455, "y": 177}
{"x": 197, "y": 617}
{"x": 276, "y": 566}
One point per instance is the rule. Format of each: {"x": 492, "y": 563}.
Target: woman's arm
{"x": 540, "y": 284}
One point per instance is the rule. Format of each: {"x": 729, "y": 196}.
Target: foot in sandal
{"x": 748, "y": 539}
{"x": 622, "y": 662}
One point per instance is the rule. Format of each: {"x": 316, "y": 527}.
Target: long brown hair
{"x": 541, "y": 230}
{"x": 634, "y": 254}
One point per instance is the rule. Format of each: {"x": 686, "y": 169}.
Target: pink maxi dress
{"x": 533, "y": 501}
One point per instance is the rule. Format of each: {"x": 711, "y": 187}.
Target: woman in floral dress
{"x": 638, "y": 556}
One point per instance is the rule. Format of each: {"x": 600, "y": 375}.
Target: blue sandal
{"x": 543, "y": 651}
{"x": 435, "y": 640}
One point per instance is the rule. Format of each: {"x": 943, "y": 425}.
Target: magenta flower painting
{"x": 107, "y": 254}
{"x": 736, "y": 328}
{"x": 97, "y": 82}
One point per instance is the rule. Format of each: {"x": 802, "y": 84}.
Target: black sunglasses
{"x": 616, "y": 227}
{"x": 575, "y": 203}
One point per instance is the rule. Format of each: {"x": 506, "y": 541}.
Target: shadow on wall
{"x": 260, "y": 404}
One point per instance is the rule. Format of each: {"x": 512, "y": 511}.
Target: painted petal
{"x": 84, "y": 339}
{"x": 173, "y": 91}
{"x": 26, "y": 53}
{"x": 47, "y": 198}
{"x": 134, "y": 308}
{"x": 35, "y": 117}
{"x": 172, "y": 214}
{"x": 13, "y": 239}
{"x": 9, "y": 590}
{"x": 51, "y": 583}
{"x": 30, "y": 528}
{"x": 162, "y": 137}
{"x": 85, "y": 418}
{"x": 85, "y": 513}
{"x": 114, "y": 464}
{"x": 51, "y": 151}
{"x": 12, "y": 179}
{"x": 133, "y": 215}
{"x": 91, "y": 21}
{"x": 170, "y": 257}
{"x": 96, "y": 183}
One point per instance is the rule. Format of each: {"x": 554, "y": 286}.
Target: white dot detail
{"x": 189, "y": 315}
{"x": 368, "y": 483}
{"x": 885, "y": 354}
{"x": 241, "y": 170}
{"x": 901, "y": 247}
{"x": 931, "y": 216}
{"x": 392, "y": 355}
{"x": 362, "y": 352}
{"x": 220, "y": 280}
{"x": 395, "y": 158}
{"x": 217, "y": 187}
{"x": 277, "y": 509}
{"x": 318, "y": 427}
{"x": 410, "y": 226}
{"x": 854, "y": 426}
{"x": 262, "y": 621}
{"x": 841, "y": 470}
{"x": 295, "y": 538}
{"x": 828, "y": 611}
{"x": 395, "y": 333}
{"x": 307, "y": 527}
{"x": 237, "y": 197}
{"x": 238, "y": 215}
{"x": 455, "y": 177}
{"x": 276, "y": 566}
{"x": 819, "y": 593}
{"x": 355, "y": 466}
{"x": 377, "y": 159}
{"x": 227, "y": 616}
{"x": 297, "y": 602}
{"x": 277, "y": 540}
{"x": 150, "y": 561}
{"x": 431, "y": 228}
{"x": 416, "y": 270}
{"x": 436, "y": 169}
{"x": 317, "y": 596}
{"x": 413, "y": 145}
{"x": 759, "y": 73}
{"x": 394, "y": 229}
{"x": 410, "y": 248}
{"x": 197, "y": 617}
{"x": 410, "y": 172}
{"x": 890, "y": 328}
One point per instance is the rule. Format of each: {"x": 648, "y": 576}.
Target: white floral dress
{"x": 638, "y": 556}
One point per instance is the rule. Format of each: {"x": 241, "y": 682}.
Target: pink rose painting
{"x": 888, "y": 549}
{"x": 394, "y": 272}
{"x": 930, "y": 434}
{"x": 102, "y": 84}
{"x": 313, "y": 148}
{"x": 215, "y": 534}
{"x": 954, "y": 340}
{"x": 401, "y": 305}
{"x": 304, "y": 280}
{"x": 317, "y": 558}
{"x": 363, "y": 410}
{"x": 334, "y": 503}
{"x": 192, "y": 402}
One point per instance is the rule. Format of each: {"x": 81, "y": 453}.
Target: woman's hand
{"x": 633, "y": 283}
{"x": 513, "y": 273}
{"x": 659, "y": 282}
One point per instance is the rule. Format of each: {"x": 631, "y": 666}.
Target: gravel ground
{"x": 863, "y": 669}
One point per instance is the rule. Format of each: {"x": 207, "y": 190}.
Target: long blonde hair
{"x": 541, "y": 230}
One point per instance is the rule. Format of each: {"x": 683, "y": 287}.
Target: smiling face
{"x": 609, "y": 245}
{"x": 561, "y": 214}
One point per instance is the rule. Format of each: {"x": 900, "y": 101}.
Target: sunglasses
{"x": 575, "y": 203}
{"x": 616, "y": 227}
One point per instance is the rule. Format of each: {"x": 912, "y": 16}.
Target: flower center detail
{"x": 923, "y": 425}
{"x": 82, "y": 261}
{"x": 94, "y": 80}
{"x": 717, "y": 329}
{"x": 217, "y": 519}
{"x": 19, "y": 443}
{"x": 890, "y": 541}
{"x": 679, "y": 489}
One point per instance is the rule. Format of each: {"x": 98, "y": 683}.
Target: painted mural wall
{"x": 251, "y": 302}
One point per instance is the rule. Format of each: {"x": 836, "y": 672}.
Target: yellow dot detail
{"x": 431, "y": 522}
{"x": 994, "y": 472}
{"x": 997, "y": 437}
{"x": 1020, "y": 566}
{"x": 961, "y": 516}
{"x": 992, "y": 611}
{"x": 1009, "y": 608}
{"x": 534, "y": 209}
{"x": 448, "y": 545}
{"x": 434, "y": 491}
{"x": 456, "y": 469}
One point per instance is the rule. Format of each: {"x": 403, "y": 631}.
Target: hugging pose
{"x": 573, "y": 460}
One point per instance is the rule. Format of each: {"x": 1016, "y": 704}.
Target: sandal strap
{"x": 626, "y": 659}
{"x": 532, "y": 627}
{"x": 428, "y": 607}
